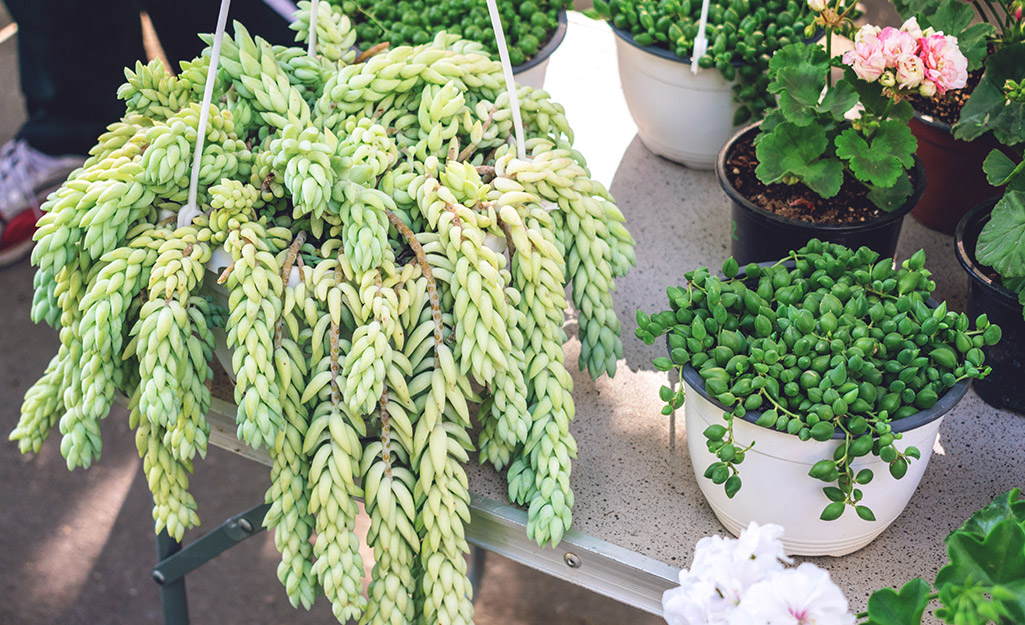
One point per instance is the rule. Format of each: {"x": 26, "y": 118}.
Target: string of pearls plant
{"x": 396, "y": 273}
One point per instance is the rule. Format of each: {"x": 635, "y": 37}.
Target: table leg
{"x": 173, "y": 601}
{"x": 478, "y": 557}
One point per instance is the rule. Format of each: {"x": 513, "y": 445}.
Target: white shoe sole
{"x": 16, "y": 253}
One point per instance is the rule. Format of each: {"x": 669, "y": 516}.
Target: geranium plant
{"x": 826, "y": 340}
{"x": 814, "y": 138}
{"x": 990, "y": 33}
{"x": 1001, "y": 243}
{"x": 744, "y": 580}
{"x": 984, "y": 581}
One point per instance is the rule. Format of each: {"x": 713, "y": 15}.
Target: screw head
{"x": 572, "y": 560}
{"x": 158, "y": 577}
{"x": 246, "y": 526}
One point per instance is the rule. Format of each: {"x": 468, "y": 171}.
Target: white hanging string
{"x": 311, "y": 48}
{"x": 510, "y": 82}
{"x": 701, "y": 41}
{"x": 190, "y": 211}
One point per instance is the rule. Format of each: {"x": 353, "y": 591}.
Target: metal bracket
{"x": 210, "y": 545}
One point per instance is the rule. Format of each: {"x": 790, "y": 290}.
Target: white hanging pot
{"x": 682, "y": 116}
{"x": 531, "y": 73}
{"x": 776, "y": 485}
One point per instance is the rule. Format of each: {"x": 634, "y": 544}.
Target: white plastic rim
{"x": 681, "y": 116}
{"x": 777, "y": 489}
{"x": 534, "y": 76}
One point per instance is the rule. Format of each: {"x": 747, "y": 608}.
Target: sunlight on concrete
{"x": 64, "y": 561}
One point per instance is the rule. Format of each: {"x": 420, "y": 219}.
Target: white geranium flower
{"x": 801, "y": 596}
{"x": 722, "y": 572}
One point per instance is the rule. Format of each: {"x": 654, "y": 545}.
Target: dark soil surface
{"x": 850, "y": 206}
{"x": 947, "y": 108}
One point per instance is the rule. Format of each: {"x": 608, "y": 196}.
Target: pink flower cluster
{"x": 908, "y": 58}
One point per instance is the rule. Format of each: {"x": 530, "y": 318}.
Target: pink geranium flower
{"x": 944, "y": 63}
{"x": 897, "y": 44}
{"x": 867, "y": 58}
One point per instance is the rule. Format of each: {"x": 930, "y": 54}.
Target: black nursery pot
{"x": 758, "y": 235}
{"x": 1004, "y": 387}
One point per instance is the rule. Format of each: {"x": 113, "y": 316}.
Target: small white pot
{"x": 532, "y": 72}
{"x": 776, "y": 485}
{"x": 681, "y": 116}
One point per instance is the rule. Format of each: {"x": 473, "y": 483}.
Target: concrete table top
{"x": 633, "y": 481}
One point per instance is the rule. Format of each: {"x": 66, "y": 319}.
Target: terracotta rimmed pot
{"x": 681, "y": 116}
{"x": 954, "y": 168}
{"x": 758, "y": 235}
{"x": 1004, "y": 387}
{"x": 532, "y": 72}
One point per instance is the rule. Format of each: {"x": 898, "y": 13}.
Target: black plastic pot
{"x": 1004, "y": 387}
{"x": 758, "y": 235}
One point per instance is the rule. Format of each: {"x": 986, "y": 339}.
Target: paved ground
{"x": 76, "y": 548}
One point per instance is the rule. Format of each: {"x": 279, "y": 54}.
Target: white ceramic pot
{"x": 219, "y": 260}
{"x": 681, "y": 116}
{"x": 532, "y": 73}
{"x": 776, "y": 486}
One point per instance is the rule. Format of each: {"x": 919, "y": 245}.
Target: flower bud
{"x": 887, "y": 79}
{"x": 817, "y": 5}
{"x": 927, "y": 89}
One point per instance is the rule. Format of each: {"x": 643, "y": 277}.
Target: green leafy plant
{"x": 990, "y": 33}
{"x": 1000, "y": 242}
{"x": 826, "y": 340}
{"x": 815, "y": 139}
{"x": 527, "y": 25}
{"x": 984, "y": 582}
{"x": 741, "y": 34}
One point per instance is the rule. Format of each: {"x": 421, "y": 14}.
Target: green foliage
{"x": 413, "y": 22}
{"x": 989, "y": 109}
{"x": 826, "y": 341}
{"x": 742, "y": 36}
{"x": 796, "y": 151}
{"x": 882, "y": 161}
{"x": 808, "y": 140}
{"x": 953, "y": 17}
{"x": 1002, "y": 241}
{"x": 984, "y": 582}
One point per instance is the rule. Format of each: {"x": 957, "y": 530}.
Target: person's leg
{"x": 72, "y": 55}
{"x": 177, "y": 23}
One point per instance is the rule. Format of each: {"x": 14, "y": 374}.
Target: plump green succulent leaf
{"x": 797, "y": 151}
{"x": 988, "y": 108}
{"x": 884, "y": 160}
{"x": 1002, "y": 240}
{"x": 906, "y": 607}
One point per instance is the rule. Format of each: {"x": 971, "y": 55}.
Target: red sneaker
{"x": 26, "y": 177}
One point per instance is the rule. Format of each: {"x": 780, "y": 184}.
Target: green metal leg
{"x": 478, "y": 558}
{"x": 174, "y": 562}
{"x": 173, "y": 601}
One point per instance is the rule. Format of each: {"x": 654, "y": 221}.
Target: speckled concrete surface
{"x": 81, "y": 540}
{"x": 634, "y": 484}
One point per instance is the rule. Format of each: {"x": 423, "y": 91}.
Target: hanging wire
{"x": 510, "y": 82}
{"x": 190, "y": 211}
